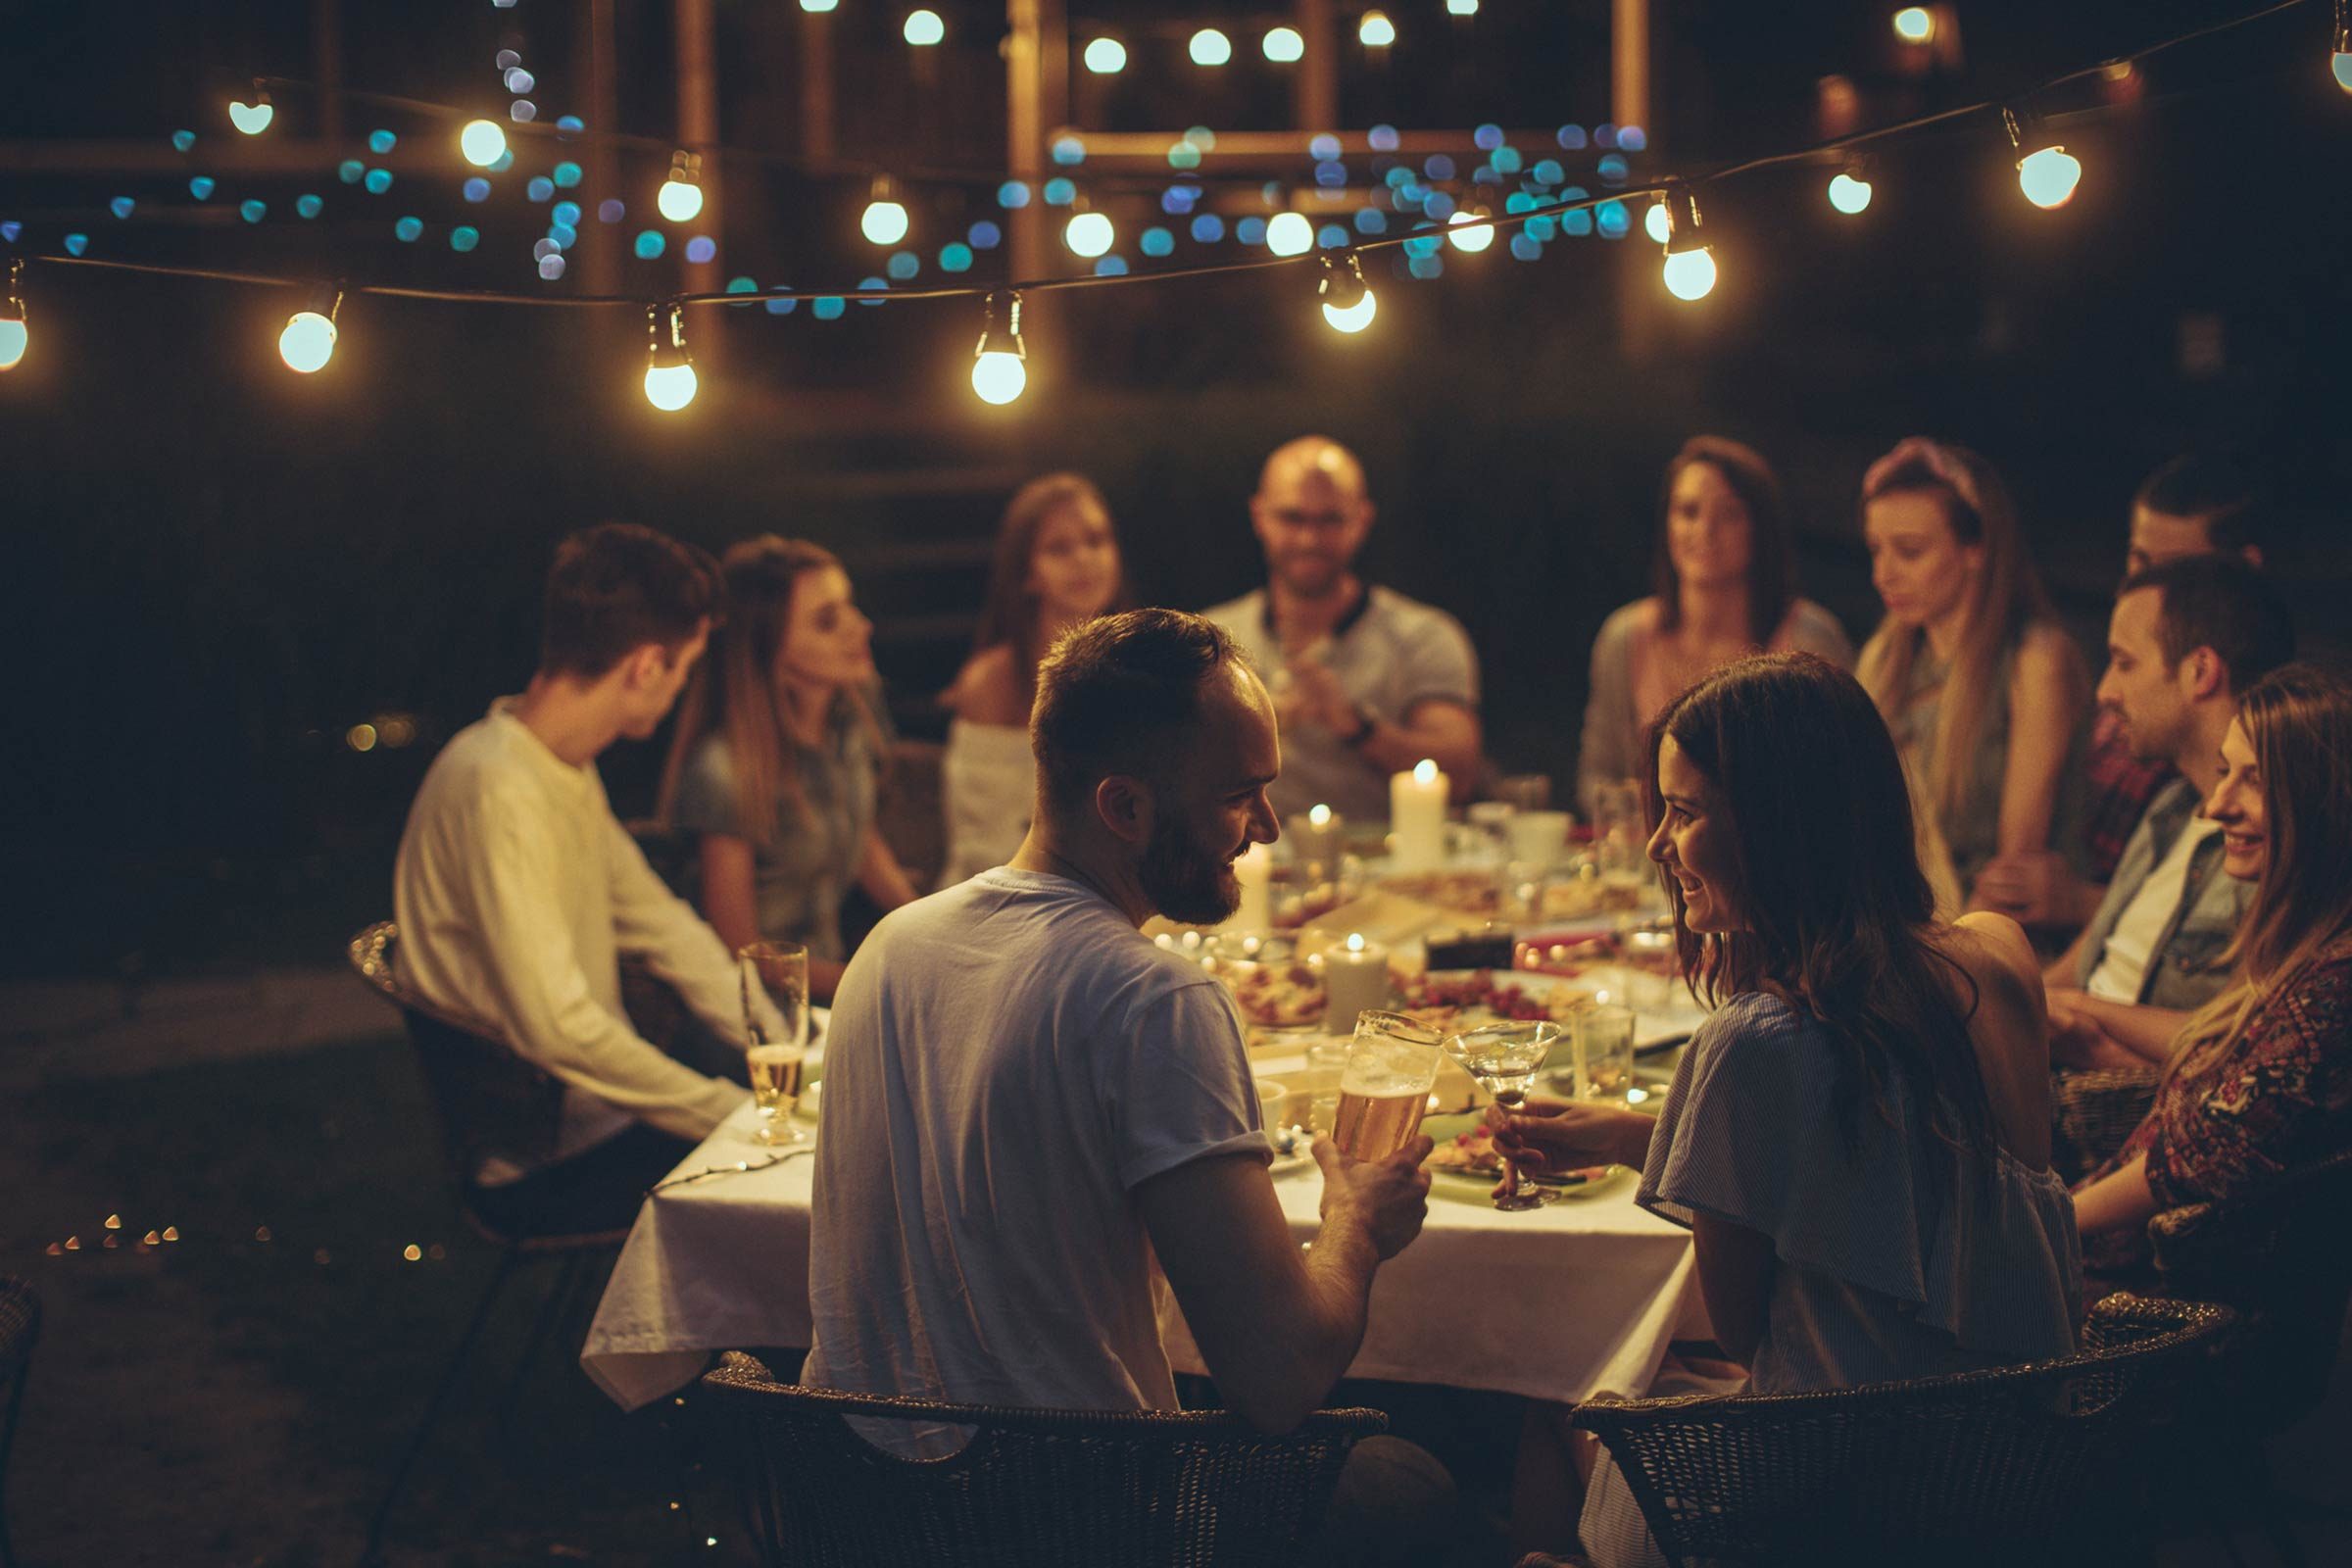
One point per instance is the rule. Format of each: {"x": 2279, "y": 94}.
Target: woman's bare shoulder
{"x": 988, "y": 690}
{"x": 1998, "y": 957}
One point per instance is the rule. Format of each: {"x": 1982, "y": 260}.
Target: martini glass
{"x": 1505, "y": 1057}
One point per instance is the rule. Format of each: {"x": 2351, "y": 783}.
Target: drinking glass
{"x": 1505, "y": 1057}
{"x": 775, "y": 1057}
{"x": 1384, "y": 1088}
{"x": 1528, "y": 791}
{"x": 1604, "y": 1051}
{"x": 1618, "y": 832}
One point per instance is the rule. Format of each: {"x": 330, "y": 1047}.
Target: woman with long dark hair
{"x": 775, "y": 769}
{"x": 1057, "y": 564}
{"x": 1859, "y": 1134}
{"x": 1723, "y": 586}
{"x": 2260, "y": 1079}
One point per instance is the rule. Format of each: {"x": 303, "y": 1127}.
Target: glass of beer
{"x": 1504, "y": 1058}
{"x": 774, "y": 1052}
{"x": 1383, "y": 1086}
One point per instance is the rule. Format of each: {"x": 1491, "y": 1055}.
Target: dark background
{"x": 213, "y": 568}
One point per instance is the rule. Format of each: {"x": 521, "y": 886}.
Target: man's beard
{"x": 1183, "y": 881}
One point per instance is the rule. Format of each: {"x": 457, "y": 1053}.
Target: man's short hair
{"x": 1121, "y": 694}
{"x": 2221, "y": 603}
{"x": 617, "y": 587}
{"x": 2217, "y": 489}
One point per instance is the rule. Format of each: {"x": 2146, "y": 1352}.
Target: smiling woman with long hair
{"x": 1723, "y": 575}
{"x": 1986, "y": 695}
{"x": 1859, "y": 1134}
{"x": 776, "y": 766}
{"x": 2260, "y": 1079}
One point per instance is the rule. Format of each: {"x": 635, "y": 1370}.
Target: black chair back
{"x": 1156, "y": 1489}
{"x": 20, "y": 1330}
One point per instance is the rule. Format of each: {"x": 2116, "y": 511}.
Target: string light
{"x": 1462, "y": 8}
{"x": 1000, "y": 364}
{"x": 483, "y": 142}
{"x": 1349, "y": 303}
{"x": 1209, "y": 47}
{"x": 1915, "y": 25}
{"x": 1107, "y": 57}
{"x": 253, "y": 117}
{"x": 1283, "y": 45}
{"x": 669, "y": 379}
{"x": 309, "y": 339}
{"x": 1376, "y": 31}
{"x": 1290, "y": 234}
{"x": 13, "y": 337}
{"x": 1655, "y": 225}
{"x": 884, "y": 221}
{"x": 681, "y": 198}
{"x": 2045, "y": 170}
{"x": 924, "y": 29}
{"x": 2340, "y": 63}
{"x": 1469, "y": 240}
{"x": 1850, "y": 189}
{"x": 1689, "y": 263}
{"x": 817, "y": 8}
{"x": 1089, "y": 234}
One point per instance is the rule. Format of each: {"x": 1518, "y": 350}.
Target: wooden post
{"x": 326, "y": 66}
{"x": 1638, "y": 290}
{"x": 816, "y": 86}
{"x": 1315, "y": 86}
{"x": 1628, "y": 66}
{"x": 598, "y": 250}
{"x": 1025, "y": 134}
{"x": 698, "y": 133}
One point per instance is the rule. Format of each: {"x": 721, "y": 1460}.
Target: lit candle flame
{"x": 1319, "y": 816}
{"x": 1355, "y": 942}
{"x": 1425, "y": 772}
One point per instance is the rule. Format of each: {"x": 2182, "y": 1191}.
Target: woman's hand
{"x": 2077, "y": 1041}
{"x": 1549, "y": 1135}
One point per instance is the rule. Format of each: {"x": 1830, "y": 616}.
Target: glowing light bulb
{"x": 1353, "y": 318}
{"x": 1657, "y": 224}
{"x": 2341, "y": 64}
{"x": 308, "y": 342}
{"x": 1470, "y": 240}
{"x": 14, "y": 340}
{"x": 1690, "y": 274}
{"x": 1376, "y": 31}
{"x": 2049, "y": 177}
{"x": 252, "y": 118}
{"x": 1283, "y": 45}
{"x": 1089, "y": 234}
{"x": 1290, "y": 234}
{"x": 1107, "y": 57}
{"x": 679, "y": 200}
{"x": 884, "y": 221}
{"x": 670, "y": 387}
{"x": 1848, "y": 193}
{"x": 998, "y": 378}
{"x": 924, "y": 29}
{"x": 819, "y": 7}
{"x": 1462, "y": 8}
{"x": 1915, "y": 25}
{"x": 1209, "y": 47}
{"x": 483, "y": 142}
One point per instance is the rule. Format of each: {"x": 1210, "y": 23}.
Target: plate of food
{"x": 1465, "y": 1166}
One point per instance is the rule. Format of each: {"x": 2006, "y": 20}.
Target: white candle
{"x": 1417, "y": 817}
{"x": 1316, "y": 838}
{"x": 1355, "y": 977}
{"x": 1254, "y": 870}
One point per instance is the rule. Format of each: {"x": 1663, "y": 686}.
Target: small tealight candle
{"x": 1316, "y": 838}
{"x": 1417, "y": 817}
{"x": 1254, "y": 870}
{"x": 1355, "y": 977}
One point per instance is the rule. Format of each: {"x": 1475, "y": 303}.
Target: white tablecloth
{"x": 1562, "y": 1302}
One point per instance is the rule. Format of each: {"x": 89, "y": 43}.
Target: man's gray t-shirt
{"x": 1006, "y": 1061}
{"x": 1391, "y": 655}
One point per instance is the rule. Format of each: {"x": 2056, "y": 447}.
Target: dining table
{"x": 1575, "y": 1299}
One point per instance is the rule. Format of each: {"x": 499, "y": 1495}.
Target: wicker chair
{"x": 2034, "y": 1463}
{"x": 20, "y": 1327}
{"x": 1163, "y": 1489}
{"x": 489, "y": 1103}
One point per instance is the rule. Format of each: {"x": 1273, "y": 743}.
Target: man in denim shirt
{"x": 2185, "y": 638}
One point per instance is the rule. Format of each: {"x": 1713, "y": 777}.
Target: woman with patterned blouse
{"x": 2260, "y": 1081}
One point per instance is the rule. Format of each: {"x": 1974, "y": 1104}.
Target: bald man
{"x": 1366, "y": 682}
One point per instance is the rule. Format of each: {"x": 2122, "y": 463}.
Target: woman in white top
{"x": 1722, "y": 591}
{"x": 1057, "y": 563}
{"x": 1859, "y": 1136}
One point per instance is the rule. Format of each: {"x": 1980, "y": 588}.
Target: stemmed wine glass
{"x": 775, "y": 1057}
{"x": 1505, "y": 1057}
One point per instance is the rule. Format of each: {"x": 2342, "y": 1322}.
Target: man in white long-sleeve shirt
{"x": 517, "y": 890}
